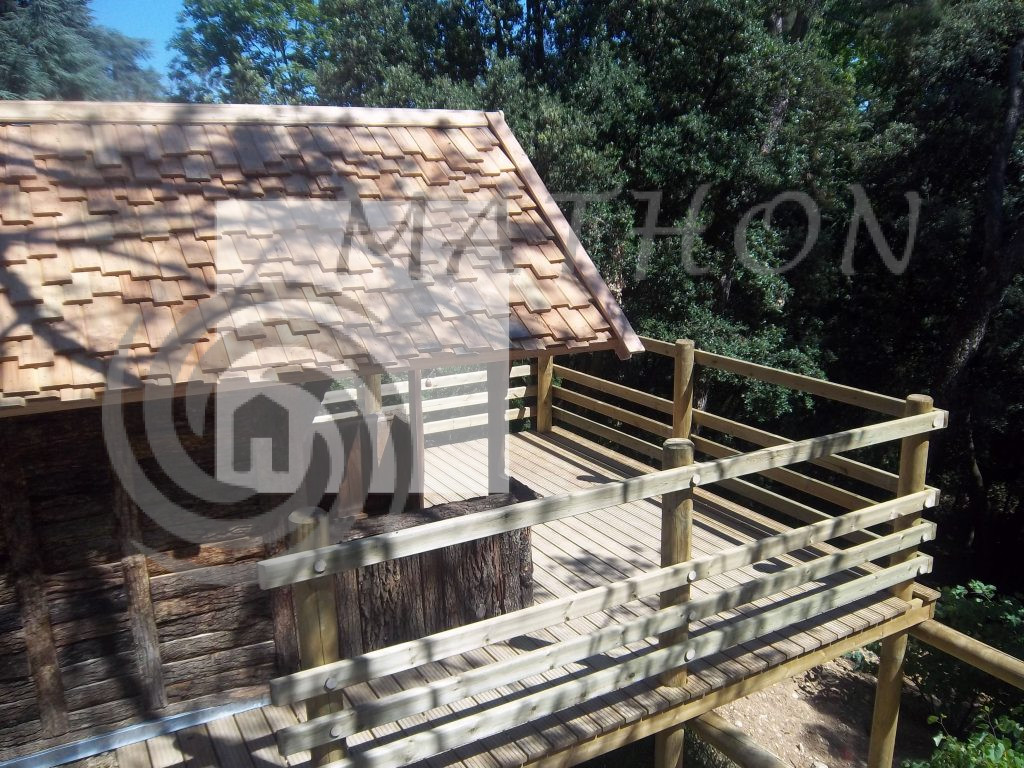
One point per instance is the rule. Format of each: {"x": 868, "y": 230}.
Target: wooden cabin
{"x": 629, "y": 564}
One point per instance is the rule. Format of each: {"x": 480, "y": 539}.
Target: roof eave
{"x": 627, "y": 341}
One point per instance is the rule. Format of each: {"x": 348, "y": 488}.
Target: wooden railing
{"x": 675, "y": 484}
{"x": 465, "y": 408}
{"x": 588, "y": 397}
{"x": 624, "y": 427}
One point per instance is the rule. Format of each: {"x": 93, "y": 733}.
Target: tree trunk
{"x": 999, "y": 263}
{"x": 535, "y": 13}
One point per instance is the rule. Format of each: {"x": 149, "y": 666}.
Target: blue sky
{"x": 153, "y": 20}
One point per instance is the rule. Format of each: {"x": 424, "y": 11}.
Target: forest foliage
{"x": 53, "y": 49}
{"x": 718, "y": 107}
{"x": 862, "y": 120}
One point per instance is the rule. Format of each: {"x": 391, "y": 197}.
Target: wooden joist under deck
{"x": 570, "y": 555}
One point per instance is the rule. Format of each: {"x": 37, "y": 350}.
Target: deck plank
{"x": 228, "y": 743}
{"x": 134, "y": 756}
{"x": 164, "y": 752}
{"x": 196, "y": 746}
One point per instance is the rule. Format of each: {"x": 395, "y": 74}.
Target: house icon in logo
{"x": 260, "y": 421}
{"x": 264, "y": 436}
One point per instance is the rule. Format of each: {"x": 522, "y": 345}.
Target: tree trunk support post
{"x": 676, "y": 547}
{"x": 545, "y": 368}
{"x": 913, "y": 467}
{"x": 316, "y": 615}
{"x": 682, "y": 388}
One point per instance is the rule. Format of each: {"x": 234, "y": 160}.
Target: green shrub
{"x": 954, "y": 689}
{"x": 995, "y": 743}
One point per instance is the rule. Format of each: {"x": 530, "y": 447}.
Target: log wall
{"x": 95, "y": 634}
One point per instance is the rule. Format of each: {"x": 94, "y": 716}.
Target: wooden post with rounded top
{"x": 545, "y": 368}
{"x": 676, "y": 547}
{"x": 682, "y": 388}
{"x": 316, "y": 620}
{"x": 913, "y": 468}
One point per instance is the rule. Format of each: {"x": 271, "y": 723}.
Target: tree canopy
{"x": 52, "y": 49}
{"x": 890, "y": 128}
{"x": 830, "y": 186}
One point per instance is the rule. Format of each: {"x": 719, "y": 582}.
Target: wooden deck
{"x": 570, "y": 555}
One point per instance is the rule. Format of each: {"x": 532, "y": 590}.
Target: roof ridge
{"x": 17, "y": 111}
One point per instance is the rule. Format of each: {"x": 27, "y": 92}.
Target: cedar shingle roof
{"x": 108, "y": 243}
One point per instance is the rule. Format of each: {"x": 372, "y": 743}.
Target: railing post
{"x": 913, "y": 467}
{"x": 497, "y": 427}
{"x": 682, "y": 388}
{"x": 545, "y": 366}
{"x": 676, "y": 547}
{"x": 371, "y": 393}
{"x": 417, "y": 439}
{"x": 316, "y": 618}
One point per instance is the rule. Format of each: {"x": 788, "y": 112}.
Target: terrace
{"x": 659, "y": 594}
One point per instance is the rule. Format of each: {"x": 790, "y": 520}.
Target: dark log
{"x": 350, "y": 620}
{"x": 80, "y": 651}
{"x": 123, "y": 687}
{"x": 436, "y": 617}
{"x": 282, "y": 616}
{"x": 410, "y": 597}
{"x": 23, "y": 556}
{"x": 92, "y": 627}
{"x": 175, "y": 556}
{"x": 96, "y": 669}
{"x": 471, "y": 580}
{"x": 227, "y": 599}
{"x": 141, "y": 617}
{"x": 211, "y": 642}
{"x": 18, "y": 703}
{"x": 239, "y": 617}
{"x": 238, "y": 658}
{"x": 388, "y": 598}
{"x": 194, "y": 582}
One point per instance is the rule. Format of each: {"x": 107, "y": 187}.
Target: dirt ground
{"x": 824, "y": 716}
{"x": 820, "y": 718}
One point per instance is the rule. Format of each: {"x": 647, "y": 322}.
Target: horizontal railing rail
{"x": 301, "y": 566}
{"x": 421, "y": 699}
{"x": 820, "y": 579}
{"x": 547, "y": 700}
{"x": 862, "y": 398}
{"x": 842, "y": 465}
{"x": 430, "y": 384}
{"x": 446, "y": 413}
{"x": 387, "y": 661}
{"x": 717, "y": 637}
{"x": 581, "y": 408}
